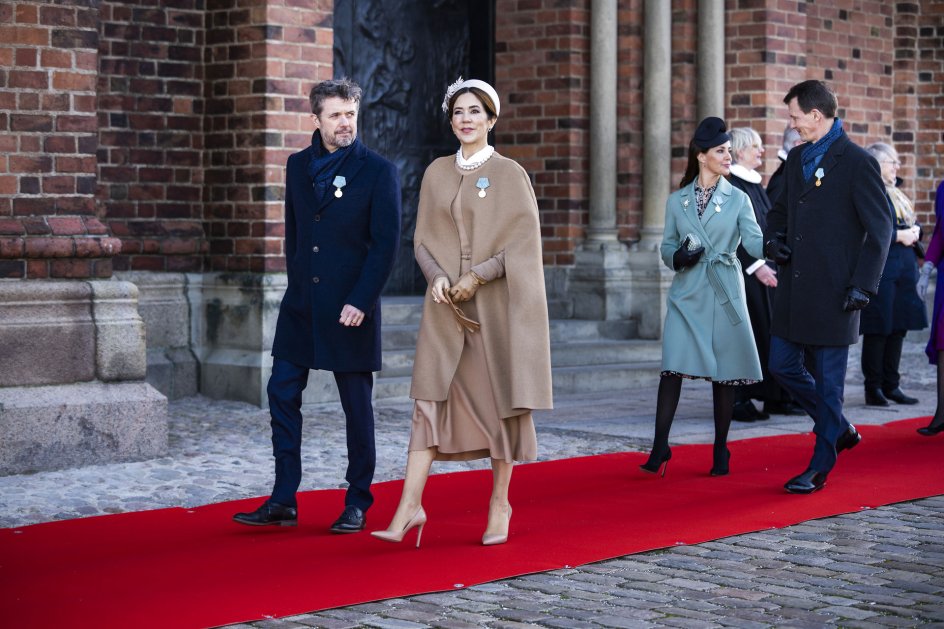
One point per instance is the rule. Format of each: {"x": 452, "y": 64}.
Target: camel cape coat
{"x": 707, "y": 330}
{"x": 512, "y": 309}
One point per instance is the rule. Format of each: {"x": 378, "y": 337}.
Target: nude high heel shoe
{"x": 418, "y": 519}
{"x": 497, "y": 538}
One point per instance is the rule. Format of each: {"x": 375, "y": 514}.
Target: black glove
{"x": 856, "y": 299}
{"x": 683, "y": 258}
{"x": 777, "y": 250}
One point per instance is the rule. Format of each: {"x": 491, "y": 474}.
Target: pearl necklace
{"x": 472, "y": 164}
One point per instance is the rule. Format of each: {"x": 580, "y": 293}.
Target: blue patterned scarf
{"x": 813, "y": 153}
{"x": 324, "y": 165}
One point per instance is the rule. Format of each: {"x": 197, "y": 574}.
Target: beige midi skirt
{"x": 467, "y": 425}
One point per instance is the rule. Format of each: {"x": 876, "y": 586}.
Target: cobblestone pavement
{"x": 876, "y": 568}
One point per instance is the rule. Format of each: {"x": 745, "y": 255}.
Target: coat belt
{"x": 714, "y": 263}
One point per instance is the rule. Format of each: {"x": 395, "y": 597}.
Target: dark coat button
{"x": 317, "y": 217}
{"x": 315, "y": 249}
{"x": 315, "y": 280}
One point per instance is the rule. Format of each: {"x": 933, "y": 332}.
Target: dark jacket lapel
{"x": 349, "y": 169}
{"x": 829, "y": 161}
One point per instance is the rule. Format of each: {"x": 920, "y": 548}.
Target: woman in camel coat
{"x": 483, "y": 353}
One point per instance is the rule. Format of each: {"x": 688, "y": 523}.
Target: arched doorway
{"x": 404, "y": 53}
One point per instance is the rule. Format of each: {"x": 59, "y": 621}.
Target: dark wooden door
{"x": 404, "y": 53}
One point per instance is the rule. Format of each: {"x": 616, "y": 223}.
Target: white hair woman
{"x": 760, "y": 278}
{"x": 896, "y": 308}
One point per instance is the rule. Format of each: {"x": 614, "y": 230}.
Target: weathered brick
{"x": 42, "y": 247}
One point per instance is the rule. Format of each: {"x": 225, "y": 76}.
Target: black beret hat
{"x": 711, "y": 132}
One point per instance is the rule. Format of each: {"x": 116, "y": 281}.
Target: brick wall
{"x": 542, "y": 53}
{"x": 49, "y": 221}
{"x": 261, "y": 61}
{"x": 928, "y": 52}
{"x": 168, "y": 124}
{"x": 150, "y": 107}
{"x": 629, "y": 119}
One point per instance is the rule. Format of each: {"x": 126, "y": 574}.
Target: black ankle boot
{"x": 659, "y": 457}
{"x": 721, "y": 460}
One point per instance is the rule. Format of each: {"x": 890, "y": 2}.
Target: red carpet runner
{"x": 196, "y": 568}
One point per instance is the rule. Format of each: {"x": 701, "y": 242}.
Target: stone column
{"x": 710, "y": 58}
{"x": 650, "y": 278}
{"x": 657, "y": 121}
{"x": 599, "y": 282}
{"x": 72, "y": 344}
{"x": 603, "y": 76}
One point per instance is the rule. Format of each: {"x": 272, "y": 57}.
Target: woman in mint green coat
{"x": 707, "y": 332}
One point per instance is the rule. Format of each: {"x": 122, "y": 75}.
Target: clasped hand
{"x": 463, "y": 290}
{"x": 908, "y": 236}
{"x": 778, "y": 250}
{"x": 683, "y": 258}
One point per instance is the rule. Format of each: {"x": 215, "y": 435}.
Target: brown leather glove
{"x": 464, "y": 289}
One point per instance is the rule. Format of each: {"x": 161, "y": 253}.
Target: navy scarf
{"x": 324, "y": 166}
{"x": 813, "y": 153}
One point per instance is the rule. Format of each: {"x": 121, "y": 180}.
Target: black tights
{"x": 670, "y": 389}
{"x": 938, "y": 418}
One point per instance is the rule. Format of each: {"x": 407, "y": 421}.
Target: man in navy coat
{"x": 342, "y": 229}
{"x": 829, "y": 232}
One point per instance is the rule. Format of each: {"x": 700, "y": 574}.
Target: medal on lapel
{"x": 819, "y": 176}
{"x": 482, "y": 184}
{"x": 717, "y": 205}
{"x": 339, "y": 182}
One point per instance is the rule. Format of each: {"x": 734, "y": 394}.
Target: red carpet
{"x": 196, "y": 568}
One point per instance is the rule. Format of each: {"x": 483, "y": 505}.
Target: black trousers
{"x": 285, "y": 388}
{"x": 881, "y": 356}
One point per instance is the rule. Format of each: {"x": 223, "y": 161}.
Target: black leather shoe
{"x": 806, "y": 483}
{"x": 351, "y": 520}
{"x": 783, "y": 408}
{"x": 875, "y": 397}
{"x": 898, "y": 396}
{"x": 744, "y": 412}
{"x": 848, "y": 440}
{"x": 269, "y": 513}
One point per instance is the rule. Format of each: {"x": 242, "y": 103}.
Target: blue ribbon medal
{"x": 482, "y": 184}
{"x": 339, "y": 182}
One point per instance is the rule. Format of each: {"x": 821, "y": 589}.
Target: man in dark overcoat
{"x": 829, "y": 231}
{"x": 342, "y": 229}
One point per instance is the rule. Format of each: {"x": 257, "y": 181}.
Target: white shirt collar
{"x": 750, "y": 176}
{"x": 476, "y": 158}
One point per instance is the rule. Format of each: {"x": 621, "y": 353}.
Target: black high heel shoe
{"x": 657, "y": 459}
{"x": 930, "y": 430}
{"x": 721, "y": 460}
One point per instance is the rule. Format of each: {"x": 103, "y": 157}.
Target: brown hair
{"x": 691, "y": 170}
{"x": 478, "y": 93}
{"x": 345, "y": 89}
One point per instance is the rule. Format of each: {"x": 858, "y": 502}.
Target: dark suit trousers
{"x": 820, "y": 394}
{"x": 286, "y": 385}
{"x": 881, "y": 356}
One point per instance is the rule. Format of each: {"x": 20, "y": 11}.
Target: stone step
{"x": 403, "y": 336}
{"x": 399, "y": 362}
{"x": 401, "y": 310}
{"x": 567, "y": 380}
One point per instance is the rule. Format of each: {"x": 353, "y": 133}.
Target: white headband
{"x": 482, "y": 85}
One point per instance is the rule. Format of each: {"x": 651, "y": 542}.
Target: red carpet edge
{"x": 196, "y": 568}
